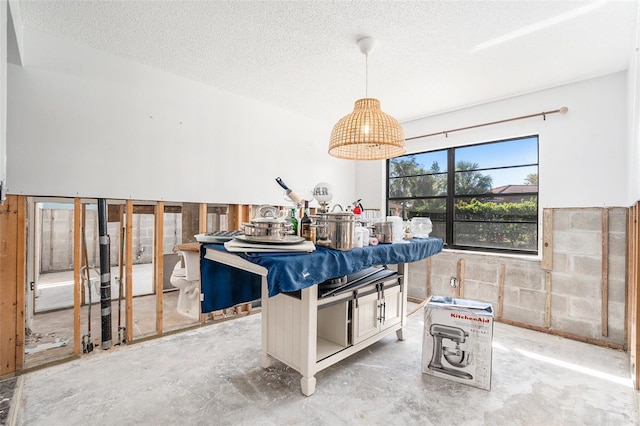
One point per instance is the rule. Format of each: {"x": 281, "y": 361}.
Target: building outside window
{"x": 480, "y": 197}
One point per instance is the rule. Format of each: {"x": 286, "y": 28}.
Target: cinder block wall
{"x": 575, "y": 277}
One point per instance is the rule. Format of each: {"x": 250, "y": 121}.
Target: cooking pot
{"x": 338, "y": 228}
{"x": 383, "y": 232}
{"x": 268, "y": 227}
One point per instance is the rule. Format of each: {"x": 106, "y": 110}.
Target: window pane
{"x": 418, "y": 164}
{"x": 435, "y": 209}
{"x": 418, "y": 186}
{"x": 511, "y": 236}
{"x": 515, "y": 152}
{"x": 514, "y": 208}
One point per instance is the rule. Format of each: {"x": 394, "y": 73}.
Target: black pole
{"x": 105, "y": 274}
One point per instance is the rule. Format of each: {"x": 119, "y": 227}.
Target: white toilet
{"x": 187, "y": 279}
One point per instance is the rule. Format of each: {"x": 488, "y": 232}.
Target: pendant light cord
{"x": 366, "y": 75}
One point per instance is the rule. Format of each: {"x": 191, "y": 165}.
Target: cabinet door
{"x": 392, "y": 309}
{"x": 365, "y": 317}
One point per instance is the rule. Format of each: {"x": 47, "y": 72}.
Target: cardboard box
{"x": 457, "y": 339}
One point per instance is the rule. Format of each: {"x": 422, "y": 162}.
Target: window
{"x": 482, "y": 197}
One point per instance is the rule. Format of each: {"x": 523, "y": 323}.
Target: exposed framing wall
{"x": 13, "y": 225}
{"x": 576, "y": 289}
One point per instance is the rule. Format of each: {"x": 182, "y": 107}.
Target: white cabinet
{"x": 376, "y": 312}
{"x": 310, "y": 334}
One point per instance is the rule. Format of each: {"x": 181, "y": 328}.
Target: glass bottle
{"x": 305, "y": 223}
{"x": 294, "y": 222}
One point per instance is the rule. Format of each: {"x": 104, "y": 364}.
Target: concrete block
{"x": 480, "y": 271}
{"x": 569, "y": 285}
{"x": 524, "y": 278}
{"x": 530, "y": 299}
{"x": 559, "y": 304}
{"x": 586, "y": 219}
{"x": 561, "y": 219}
{"x": 588, "y": 309}
{"x": 617, "y": 290}
{"x": 618, "y": 220}
{"x": 527, "y": 316}
{"x": 586, "y": 265}
{"x": 511, "y": 297}
{"x": 471, "y": 289}
{"x": 575, "y": 326}
{"x": 615, "y": 313}
{"x": 617, "y": 244}
{"x": 561, "y": 262}
{"x": 586, "y": 243}
{"x": 488, "y": 293}
{"x": 617, "y": 267}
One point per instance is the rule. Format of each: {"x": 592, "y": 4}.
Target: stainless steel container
{"x": 269, "y": 227}
{"x": 266, "y": 231}
{"x": 339, "y": 228}
{"x": 383, "y": 232}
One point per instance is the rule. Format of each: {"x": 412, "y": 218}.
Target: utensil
{"x": 292, "y": 195}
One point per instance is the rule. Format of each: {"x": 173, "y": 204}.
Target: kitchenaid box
{"x": 456, "y": 342}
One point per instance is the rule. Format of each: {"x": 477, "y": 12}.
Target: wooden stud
{"x": 158, "y": 242}
{"x": 460, "y": 279}
{"x": 547, "y": 240}
{"x": 12, "y": 280}
{"x": 203, "y": 218}
{"x": 238, "y": 213}
{"x": 605, "y": 272}
{"x": 129, "y": 271}
{"x": 501, "y": 274}
{"x": 21, "y": 279}
{"x": 77, "y": 284}
{"x": 547, "y": 307}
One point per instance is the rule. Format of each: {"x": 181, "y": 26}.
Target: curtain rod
{"x": 544, "y": 114}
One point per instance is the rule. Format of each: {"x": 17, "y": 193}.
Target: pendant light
{"x": 367, "y": 133}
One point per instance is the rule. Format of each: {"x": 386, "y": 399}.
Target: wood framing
{"x": 633, "y": 302}
{"x": 238, "y": 213}
{"x": 77, "y": 282}
{"x": 605, "y": 272}
{"x": 129, "y": 270}
{"x": 501, "y": 274}
{"x": 547, "y": 240}
{"x": 158, "y": 243}
{"x": 202, "y": 228}
{"x": 460, "y": 278}
{"x": 12, "y": 282}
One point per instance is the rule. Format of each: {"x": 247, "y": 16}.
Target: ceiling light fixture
{"x": 367, "y": 133}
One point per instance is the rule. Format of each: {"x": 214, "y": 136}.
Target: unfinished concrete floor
{"x": 212, "y": 375}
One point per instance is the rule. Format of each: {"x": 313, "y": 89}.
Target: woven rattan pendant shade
{"x": 367, "y": 134}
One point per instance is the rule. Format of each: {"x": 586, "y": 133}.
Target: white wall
{"x": 634, "y": 119}
{"x": 84, "y": 123}
{"x": 583, "y": 154}
{"x": 3, "y": 92}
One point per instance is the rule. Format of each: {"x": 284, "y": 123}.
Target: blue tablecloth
{"x": 224, "y": 286}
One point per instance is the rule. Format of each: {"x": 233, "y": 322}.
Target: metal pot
{"x": 383, "y": 232}
{"x": 338, "y": 228}
{"x": 269, "y": 227}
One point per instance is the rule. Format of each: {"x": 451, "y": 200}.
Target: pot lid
{"x": 268, "y": 214}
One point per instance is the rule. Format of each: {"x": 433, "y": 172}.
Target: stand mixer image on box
{"x": 457, "y": 341}
{"x": 456, "y": 357}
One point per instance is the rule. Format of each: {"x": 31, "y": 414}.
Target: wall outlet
{"x": 453, "y": 282}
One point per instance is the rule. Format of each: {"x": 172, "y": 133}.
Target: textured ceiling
{"x": 431, "y": 56}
